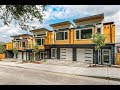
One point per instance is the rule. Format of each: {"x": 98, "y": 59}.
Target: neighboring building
{"x": 42, "y": 37}
{"x": 73, "y": 43}
{"x": 23, "y": 43}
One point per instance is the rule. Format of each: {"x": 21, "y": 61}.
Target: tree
{"x": 15, "y": 51}
{"x": 35, "y": 51}
{"x": 98, "y": 40}
{"x": 2, "y": 48}
{"x": 21, "y": 14}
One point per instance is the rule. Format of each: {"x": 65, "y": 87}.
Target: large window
{"x": 83, "y": 33}
{"x": 23, "y": 44}
{"x": 40, "y": 41}
{"x": 99, "y": 30}
{"x": 62, "y": 35}
{"x": 86, "y": 33}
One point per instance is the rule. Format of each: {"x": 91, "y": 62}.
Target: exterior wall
{"x": 2, "y": 56}
{"x": 41, "y": 47}
{"x": 117, "y": 59}
{"x": 109, "y": 33}
{"x": 9, "y": 46}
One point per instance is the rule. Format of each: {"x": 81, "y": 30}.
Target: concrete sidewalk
{"x": 84, "y": 70}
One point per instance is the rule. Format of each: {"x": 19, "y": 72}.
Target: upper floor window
{"x": 62, "y": 35}
{"x": 99, "y": 30}
{"x": 86, "y": 34}
{"x": 40, "y": 41}
{"x": 83, "y": 33}
{"x": 23, "y": 44}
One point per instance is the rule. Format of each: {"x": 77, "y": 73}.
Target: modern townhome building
{"x": 41, "y": 37}
{"x": 73, "y": 42}
{"x": 23, "y": 43}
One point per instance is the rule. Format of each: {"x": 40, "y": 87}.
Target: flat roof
{"x": 98, "y": 16}
{"x": 39, "y": 29}
{"x": 108, "y": 23}
{"x": 21, "y": 35}
{"x": 61, "y": 23}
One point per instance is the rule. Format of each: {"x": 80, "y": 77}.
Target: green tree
{"x": 99, "y": 41}
{"x": 2, "y": 48}
{"x": 35, "y": 52}
{"x": 21, "y": 14}
{"x": 15, "y": 51}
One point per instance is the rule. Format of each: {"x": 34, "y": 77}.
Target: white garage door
{"x": 24, "y": 55}
{"x": 66, "y": 53}
{"x": 85, "y": 55}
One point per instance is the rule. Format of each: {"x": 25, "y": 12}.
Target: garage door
{"x": 66, "y": 53}
{"x": 85, "y": 55}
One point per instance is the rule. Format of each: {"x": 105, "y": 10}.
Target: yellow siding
{"x": 31, "y": 42}
{"x": 9, "y": 46}
{"x": 83, "y": 41}
{"x": 117, "y": 59}
{"x": 41, "y": 47}
{"x": 2, "y": 56}
{"x": 113, "y": 33}
{"x": 106, "y": 33}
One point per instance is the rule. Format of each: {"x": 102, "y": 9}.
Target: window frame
{"x": 42, "y": 44}
{"x": 63, "y": 35}
{"x": 80, "y": 32}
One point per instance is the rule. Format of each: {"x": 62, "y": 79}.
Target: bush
{"x": 24, "y": 61}
{"x": 44, "y": 60}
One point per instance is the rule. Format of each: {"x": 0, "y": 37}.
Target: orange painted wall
{"x": 9, "y": 46}
{"x": 2, "y": 56}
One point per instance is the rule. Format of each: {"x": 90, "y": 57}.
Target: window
{"x": 40, "y": 41}
{"x": 62, "y": 35}
{"x": 86, "y": 33}
{"x": 23, "y": 44}
{"x": 99, "y": 30}
{"x": 77, "y": 34}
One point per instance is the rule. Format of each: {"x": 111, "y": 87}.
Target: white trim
{"x": 41, "y": 41}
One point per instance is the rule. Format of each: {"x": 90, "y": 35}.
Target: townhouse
{"x": 23, "y": 43}
{"x": 73, "y": 42}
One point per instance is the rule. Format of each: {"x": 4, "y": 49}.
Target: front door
{"x": 106, "y": 56}
{"x": 43, "y": 55}
{"x": 53, "y": 53}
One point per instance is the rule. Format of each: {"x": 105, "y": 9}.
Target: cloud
{"x": 58, "y": 13}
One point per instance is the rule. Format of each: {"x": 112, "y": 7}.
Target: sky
{"x": 60, "y": 13}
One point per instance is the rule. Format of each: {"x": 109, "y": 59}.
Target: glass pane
{"x": 38, "y": 41}
{"x": 53, "y": 52}
{"x": 59, "y": 36}
{"x": 77, "y": 34}
{"x": 106, "y": 56}
{"x": 98, "y": 30}
{"x": 66, "y": 35}
{"x": 42, "y": 42}
{"x": 86, "y": 33}
{"x": 23, "y": 44}
{"x": 45, "y": 55}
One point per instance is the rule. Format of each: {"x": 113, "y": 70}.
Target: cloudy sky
{"x": 59, "y": 13}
